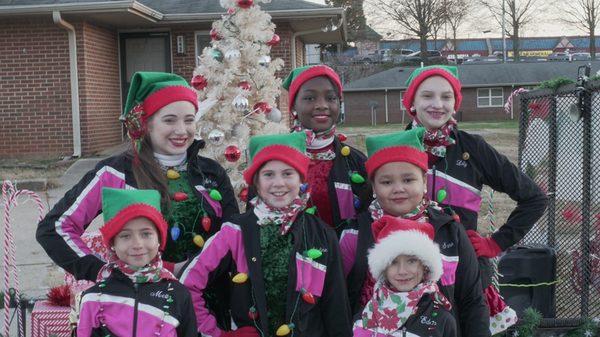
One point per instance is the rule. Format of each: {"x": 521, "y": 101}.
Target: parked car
{"x": 581, "y": 57}
{"x": 433, "y": 57}
{"x": 482, "y": 60}
{"x": 378, "y": 56}
{"x": 559, "y": 56}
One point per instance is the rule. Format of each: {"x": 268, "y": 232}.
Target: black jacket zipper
{"x": 135, "y": 308}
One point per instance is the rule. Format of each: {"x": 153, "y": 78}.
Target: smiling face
{"x": 399, "y": 187}
{"x": 405, "y": 272}
{"x": 278, "y": 184}
{"x": 137, "y": 243}
{"x": 171, "y": 129}
{"x": 317, "y": 104}
{"x": 434, "y": 102}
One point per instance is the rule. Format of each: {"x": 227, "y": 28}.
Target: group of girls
{"x": 333, "y": 243}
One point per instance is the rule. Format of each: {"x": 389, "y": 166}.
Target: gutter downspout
{"x": 387, "y": 119}
{"x": 74, "y": 81}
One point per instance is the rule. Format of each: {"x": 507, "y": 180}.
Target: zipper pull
{"x": 403, "y": 331}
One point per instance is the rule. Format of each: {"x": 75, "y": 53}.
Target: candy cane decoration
{"x": 509, "y": 101}
{"x": 10, "y": 197}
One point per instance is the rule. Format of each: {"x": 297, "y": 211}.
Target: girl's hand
{"x": 484, "y": 247}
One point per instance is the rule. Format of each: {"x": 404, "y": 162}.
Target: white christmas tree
{"x": 237, "y": 87}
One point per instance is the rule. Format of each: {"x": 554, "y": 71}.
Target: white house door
{"x": 143, "y": 52}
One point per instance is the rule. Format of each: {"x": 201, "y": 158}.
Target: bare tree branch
{"x": 585, "y": 15}
{"x": 413, "y": 17}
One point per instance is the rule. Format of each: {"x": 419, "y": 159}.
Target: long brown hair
{"x": 148, "y": 174}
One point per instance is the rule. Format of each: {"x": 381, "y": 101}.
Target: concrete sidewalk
{"x": 37, "y": 273}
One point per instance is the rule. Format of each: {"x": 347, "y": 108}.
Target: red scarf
{"x": 436, "y": 141}
{"x": 150, "y": 273}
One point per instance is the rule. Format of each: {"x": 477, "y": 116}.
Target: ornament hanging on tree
{"x": 275, "y": 115}
{"x": 240, "y": 103}
{"x": 216, "y": 137}
{"x": 214, "y": 35}
{"x": 216, "y": 54}
{"x": 199, "y": 82}
{"x": 245, "y": 3}
{"x": 262, "y": 107}
{"x": 232, "y": 153}
{"x": 231, "y": 11}
{"x": 244, "y": 194}
{"x": 264, "y": 60}
{"x": 232, "y": 55}
{"x": 244, "y": 85}
{"x": 274, "y": 40}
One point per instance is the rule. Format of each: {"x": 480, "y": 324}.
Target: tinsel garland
{"x": 275, "y": 251}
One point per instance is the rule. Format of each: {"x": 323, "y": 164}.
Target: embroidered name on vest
{"x": 159, "y": 294}
{"x": 461, "y": 163}
{"x": 427, "y": 321}
{"x": 446, "y": 245}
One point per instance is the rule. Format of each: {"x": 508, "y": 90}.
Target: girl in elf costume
{"x": 284, "y": 262}
{"x": 406, "y": 300}
{"x": 397, "y": 168}
{"x": 196, "y": 193}
{"x": 459, "y": 165}
{"x": 134, "y": 294}
{"x": 336, "y": 173}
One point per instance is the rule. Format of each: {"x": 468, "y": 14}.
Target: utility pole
{"x": 504, "y": 31}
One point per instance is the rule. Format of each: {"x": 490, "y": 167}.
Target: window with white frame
{"x": 490, "y": 97}
{"x": 202, "y": 41}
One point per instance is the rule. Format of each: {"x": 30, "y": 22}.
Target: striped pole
{"x": 10, "y": 196}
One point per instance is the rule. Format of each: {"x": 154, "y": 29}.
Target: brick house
{"x": 65, "y": 64}
{"x": 376, "y": 99}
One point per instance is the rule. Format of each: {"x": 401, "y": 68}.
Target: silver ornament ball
{"x": 216, "y": 137}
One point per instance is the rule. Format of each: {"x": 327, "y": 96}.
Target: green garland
{"x": 532, "y": 318}
{"x": 555, "y": 83}
{"x": 589, "y": 328}
{"x": 275, "y": 251}
{"x": 186, "y": 215}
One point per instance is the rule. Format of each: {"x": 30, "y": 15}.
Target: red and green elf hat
{"x": 405, "y": 146}
{"x": 300, "y": 75}
{"x": 121, "y": 206}
{"x": 148, "y": 93}
{"x": 450, "y": 73}
{"x": 289, "y": 148}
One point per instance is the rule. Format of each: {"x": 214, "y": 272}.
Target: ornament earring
{"x": 413, "y": 109}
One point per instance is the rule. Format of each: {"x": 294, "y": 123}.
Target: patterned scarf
{"x": 283, "y": 217}
{"x": 317, "y": 141}
{"x": 418, "y": 214}
{"x": 150, "y": 273}
{"x": 436, "y": 141}
{"x": 388, "y": 309}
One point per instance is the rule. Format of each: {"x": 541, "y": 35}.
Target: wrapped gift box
{"x": 49, "y": 320}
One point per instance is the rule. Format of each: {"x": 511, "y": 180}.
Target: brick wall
{"x": 99, "y": 87}
{"x": 35, "y": 100}
{"x": 358, "y": 110}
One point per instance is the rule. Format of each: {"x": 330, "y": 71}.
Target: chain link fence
{"x": 559, "y": 148}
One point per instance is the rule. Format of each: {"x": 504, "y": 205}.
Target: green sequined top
{"x": 275, "y": 249}
{"x": 186, "y": 215}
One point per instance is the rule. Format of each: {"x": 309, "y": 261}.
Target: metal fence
{"x": 559, "y": 148}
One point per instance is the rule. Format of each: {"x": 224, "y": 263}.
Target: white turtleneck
{"x": 170, "y": 160}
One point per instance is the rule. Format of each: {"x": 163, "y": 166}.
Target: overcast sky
{"x": 549, "y": 26}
